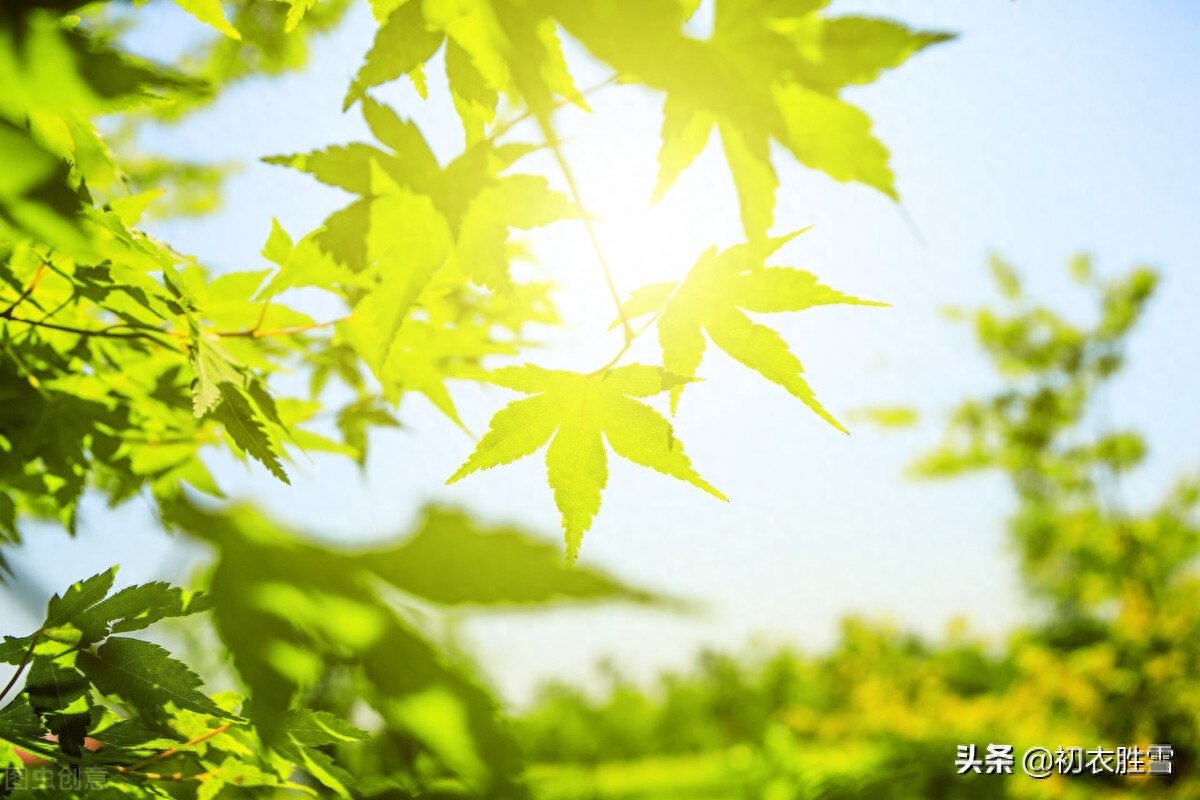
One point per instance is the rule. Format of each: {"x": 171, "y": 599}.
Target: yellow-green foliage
{"x": 108, "y": 330}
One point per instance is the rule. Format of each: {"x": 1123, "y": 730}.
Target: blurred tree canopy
{"x": 125, "y": 363}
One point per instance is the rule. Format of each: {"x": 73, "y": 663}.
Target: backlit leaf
{"x": 579, "y": 411}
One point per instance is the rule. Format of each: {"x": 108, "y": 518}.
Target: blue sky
{"x": 1043, "y": 130}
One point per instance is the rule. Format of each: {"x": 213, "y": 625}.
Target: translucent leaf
{"x": 244, "y": 425}
{"x": 710, "y": 299}
{"x": 857, "y": 50}
{"x": 685, "y": 133}
{"x": 211, "y": 13}
{"x": 833, "y": 136}
{"x": 409, "y": 241}
{"x": 347, "y": 167}
{"x": 506, "y": 566}
{"x": 279, "y": 245}
{"x": 404, "y": 42}
{"x": 212, "y": 366}
{"x": 518, "y": 201}
{"x": 575, "y": 412}
{"x": 474, "y": 98}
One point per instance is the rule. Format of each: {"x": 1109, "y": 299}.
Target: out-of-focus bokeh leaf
{"x": 290, "y": 610}
{"x": 453, "y": 559}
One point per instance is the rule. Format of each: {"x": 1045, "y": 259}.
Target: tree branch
{"x": 21, "y": 667}
{"x": 37, "y": 277}
{"x": 107, "y": 333}
{"x": 152, "y": 334}
{"x": 175, "y": 750}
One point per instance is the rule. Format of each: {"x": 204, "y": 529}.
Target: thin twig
{"x": 262, "y": 315}
{"x": 591, "y": 229}
{"x": 175, "y": 750}
{"x": 21, "y": 667}
{"x": 255, "y": 333}
{"x": 107, "y": 333}
{"x": 553, "y": 141}
{"x": 116, "y": 331}
{"x": 629, "y": 340}
{"x": 37, "y": 277}
{"x": 47, "y": 315}
{"x": 502, "y": 128}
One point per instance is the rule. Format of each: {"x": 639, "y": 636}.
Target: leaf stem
{"x": 629, "y": 340}
{"x": 612, "y": 362}
{"x": 569, "y": 176}
{"x": 506, "y": 126}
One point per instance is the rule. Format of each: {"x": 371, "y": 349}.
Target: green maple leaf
{"x": 244, "y": 423}
{"x": 138, "y": 607}
{"x": 35, "y": 196}
{"x": 475, "y": 99}
{"x": 212, "y": 366}
{"x": 713, "y": 299}
{"x": 856, "y": 50}
{"x": 54, "y": 686}
{"x": 296, "y": 13}
{"x": 576, "y": 413}
{"x": 513, "y": 201}
{"x": 49, "y": 66}
{"x": 145, "y": 675}
{"x": 18, "y": 721}
{"x": 782, "y": 67}
{"x": 410, "y": 241}
{"x": 211, "y": 13}
{"x": 12, "y": 649}
{"x": 344, "y": 166}
{"x": 87, "y": 608}
{"x": 413, "y": 244}
{"x": 234, "y": 773}
{"x": 423, "y": 357}
{"x": 278, "y": 248}
{"x": 770, "y": 72}
{"x": 479, "y": 204}
{"x": 304, "y": 264}
{"x": 286, "y": 607}
{"x": 402, "y": 46}
{"x": 78, "y": 599}
{"x": 306, "y": 730}
{"x": 321, "y": 766}
{"x": 315, "y": 728}
{"x": 508, "y": 567}
{"x": 492, "y": 48}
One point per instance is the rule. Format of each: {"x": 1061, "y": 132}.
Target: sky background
{"x": 1044, "y": 130}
